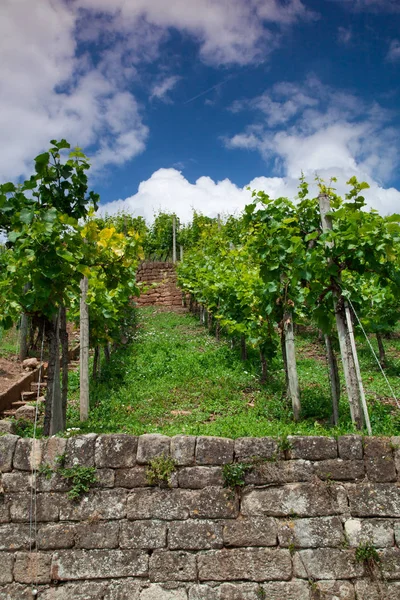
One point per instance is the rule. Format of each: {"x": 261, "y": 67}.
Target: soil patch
{"x": 10, "y": 372}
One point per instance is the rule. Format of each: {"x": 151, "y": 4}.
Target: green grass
{"x": 9, "y": 343}
{"x": 174, "y": 364}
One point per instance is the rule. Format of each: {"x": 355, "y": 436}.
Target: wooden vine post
{"x": 174, "y": 239}
{"x": 347, "y": 348}
{"x": 84, "y": 352}
{"x": 290, "y": 354}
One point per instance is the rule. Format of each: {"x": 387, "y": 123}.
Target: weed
{"x": 234, "y": 474}
{"x": 160, "y": 470}
{"x": 46, "y": 470}
{"x": 260, "y": 593}
{"x": 367, "y": 554}
{"x": 284, "y": 445}
{"x": 60, "y": 460}
{"x": 81, "y": 479}
{"x": 292, "y": 548}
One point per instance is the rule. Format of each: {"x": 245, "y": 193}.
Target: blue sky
{"x": 183, "y": 104}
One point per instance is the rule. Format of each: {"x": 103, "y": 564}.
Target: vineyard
{"x": 296, "y": 302}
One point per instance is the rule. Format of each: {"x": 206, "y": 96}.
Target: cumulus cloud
{"x": 393, "y": 54}
{"x": 160, "y": 90}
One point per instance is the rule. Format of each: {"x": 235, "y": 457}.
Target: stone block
{"x": 115, "y": 451}
{"x": 147, "y": 535}
{"x": 248, "y": 448}
{"x": 276, "y": 590}
{"x": 105, "y": 478}
{"x": 327, "y": 563}
{"x": 378, "y": 532}
{"x": 53, "y": 448}
{"x": 334, "y": 590}
{"x": 379, "y": 460}
{"x": 200, "y": 477}
{"x": 47, "y": 507}
{"x": 389, "y": 565}
{"x": 154, "y": 503}
{"x": 124, "y": 589}
{"x": 239, "y": 591}
{"x": 313, "y": 447}
{"x": 7, "y": 449}
{"x": 213, "y": 503}
{"x": 90, "y": 590}
{"x": 7, "y": 426}
{"x": 282, "y": 471}
{"x": 131, "y": 478}
{"x": 378, "y": 590}
{"x": 4, "y": 510}
{"x": 318, "y": 532}
{"x": 340, "y": 470}
{"x": 151, "y": 445}
{"x": 80, "y": 450}
{"x": 53, "y": 483}
{"x": 7, "y": 564}
{"x": 302, "y": 500}
{"x": 182, "y": 449}
{"x": 194, "y": 535}
{"x": 17, "y": 482}
{"x": 28, "y": 454}
{"x": 257, "y": 531}
{"x": 252, "y": 564}
{"x": 97, "y": 534}
{"x": 203, "y": 592}
{"x": 158, "y": 592}
{"x": 56, "y": 536}
{"x": 98, "y": 564}
{"x": 350, "y": 447}
{"x": 14, "y": 536}
{"x": 214, "y": 450}
{"x": 98, "y": 504}
{"x": 32, "y": 568}
{"x": 374, "y": 500}
{"x": 16, "y": 591}
{"x": 168, "y": 565}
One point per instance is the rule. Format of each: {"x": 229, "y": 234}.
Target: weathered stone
{"x": 97, "y": 534}
{"x": 395, "y": 444}
{"x": 152, "y": 445}
{"x": 282, "y": 471}
{"x": 389, "y": 565}
{"x": 116, "y": 451}
{"x": 257, "y": 531}
{"x": 16, "y": 591}
{"x": 28, "y": 454}
{"x": 17, "y": 481}
{"x": 26, "y": 412}
{"x": 131, "y": 478}
{"x": 378, "y": 590}
{"x": 92, "y": 590}
{"x": 30, "y": 363}
{"x": 80, "y": 450}
{"x": 312, "y": 447}
{"x": 159, "y": 504}
{"x": 248, "y": 448}
{"x": 157, "y": 592}
{"x": 7, "y": 426}
{"x": 203, "y": 592}
{"x": 182, "y": 449}
{"x": 47, "y": 507}
{"x": 311, "y": 533}
{"x": 350, "y": 447}
{"x": 378, "y": 532}
{"x": 53, "y": 448}
{"x": 143, "y": 534}
{"x": 98, "y": 564}
{"x": 4, "y": 510}
{"x": 194, "y": 535}
{"x": 105, "y": 478}
{"x": 374, "y": 500}
{"x": 97, "y": 504}
{"x": 213, "y": 503}
{"x": 214, "y": 450}
{"x": 333, "y": 590}
{"x": 200, "y": 477}
{"x": 56, "y": 536}
{"x": 168, "y": 565}
{"x": 254, "y": 564}
{"x": 293, "y": 499}
{"x": 276, "y": 590}
{"x": 340, "y": 470}
{"x": 327, "y": 563}
{"x": 7, "y": 447}
{"x": 32, "y": 568}
{"x": 379, "y": 460}
{"x": 124, "y": 589}
{"x": 6, "y": 571}
{"x": 14, "y": 536}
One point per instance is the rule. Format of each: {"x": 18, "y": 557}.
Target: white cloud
{"x": 393, "y": 54}
{"x": 160, "y": 90}
{"x": 345, "y": 36}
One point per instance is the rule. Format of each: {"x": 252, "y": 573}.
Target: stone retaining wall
{"x": 291, "y": 532}
{"x": 166, "y": 292}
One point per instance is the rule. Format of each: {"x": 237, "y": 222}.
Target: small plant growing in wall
{"x": 260, "y": 593}
{"x": 284, "y": 446}
{"x": 81, "y": 479}
{"x": 160, "y": 470}
{"x": 234, "y": 474}
{"x": 367, "y": 554}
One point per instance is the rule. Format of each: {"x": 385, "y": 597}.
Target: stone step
{"x": 16, "y": 405}
{"x": 28, "y": 396}
{"x": 36, "y": 385}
